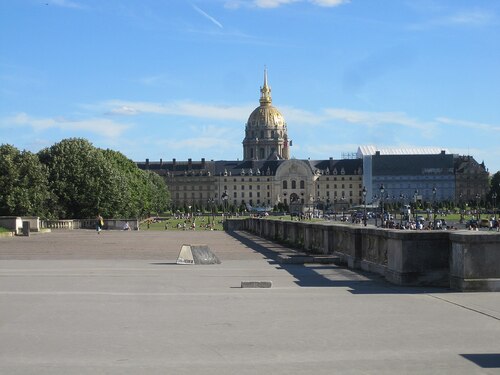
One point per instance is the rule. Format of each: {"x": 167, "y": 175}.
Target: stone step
{"x": 302, "y": 259}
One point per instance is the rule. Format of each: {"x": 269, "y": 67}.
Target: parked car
{"x": 484, "y": 223}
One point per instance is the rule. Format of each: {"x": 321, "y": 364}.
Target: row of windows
{"x": 250, "y": 179}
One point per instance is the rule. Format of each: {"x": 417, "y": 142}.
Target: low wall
{"x": 109, "y": 224}
{"x": 475, "y": 261}
{"x": 34, "y": 222}
{"x": 457, "y": 259}
{"x": 57, "y": 224}
{"x": 13, "y": 223}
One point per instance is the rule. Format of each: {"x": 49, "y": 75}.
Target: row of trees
{"x": 74, "y": 179}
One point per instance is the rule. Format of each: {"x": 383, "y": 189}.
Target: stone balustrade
{"x": 461, "y": 260}
{"x": 57, "y": 224}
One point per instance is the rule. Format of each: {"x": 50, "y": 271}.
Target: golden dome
{"x": 266, "y": 116}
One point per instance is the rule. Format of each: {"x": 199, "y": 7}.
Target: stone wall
{"x": 458, "y": 259}
{"x": 475, "y": 261}
{"x": 13, "y": 223}
{"x": 34, "y": 222}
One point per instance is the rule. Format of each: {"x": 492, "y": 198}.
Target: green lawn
{"x": 4, "y": 230}
{"x": 201, "y": 223}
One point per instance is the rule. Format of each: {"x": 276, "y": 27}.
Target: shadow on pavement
{"x": 314, "y": 275}
{"x": 490, "y": 360}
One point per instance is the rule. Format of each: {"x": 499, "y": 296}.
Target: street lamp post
{"x": 494, "y": 196}
{"x": 364, "y": 200}
{"x": 374, "y": 198}
{"x": 402, "y": 197}
{"x": 478, "y": 197}
{"x": 415, "y": 195}
{"x": 434, "y": 207}
{"x": 382, "y": 189}
{"x": 211, "y": 202}
{"x": 343, "y": 217}
{"x": 224, "y": 197}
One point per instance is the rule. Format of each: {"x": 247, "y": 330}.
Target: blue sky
{"x": 178, "y": 79}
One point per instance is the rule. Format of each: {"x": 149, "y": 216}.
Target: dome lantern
{"x": 266, "y": 131}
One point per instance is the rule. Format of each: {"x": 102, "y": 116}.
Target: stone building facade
{"x": 266, "y": 177}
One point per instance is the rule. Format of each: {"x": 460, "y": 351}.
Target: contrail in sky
{"x": 204, "y": 14}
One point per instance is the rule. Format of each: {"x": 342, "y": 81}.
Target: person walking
{"x": 99, "y": 223}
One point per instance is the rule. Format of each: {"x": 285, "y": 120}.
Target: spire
{"x": 265, "y": 91}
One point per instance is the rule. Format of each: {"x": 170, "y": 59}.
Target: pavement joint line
{"x": 464, "y": 307}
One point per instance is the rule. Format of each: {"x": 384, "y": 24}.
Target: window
{"x": 294, "y": 184}
{"x": 302, "y": 184}
{"x": 242, "y": 187}
{"x": 285, "y": 184}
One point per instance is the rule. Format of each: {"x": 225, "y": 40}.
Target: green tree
{"x": 141, "y": 192}
{"x": 23, "y": 183}
{"x": 83, "y": 180}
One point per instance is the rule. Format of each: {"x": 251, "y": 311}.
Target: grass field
{"x": 201, "y": 223}
{"x": 4, "y": 230}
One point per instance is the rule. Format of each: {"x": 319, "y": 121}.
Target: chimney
{"x": 203, "y": 163}
{"x": 190, "y": 163}
{"x": 161, "y": 163}
{"x": 147, "y": 163}
{"x": 174, "y": 163}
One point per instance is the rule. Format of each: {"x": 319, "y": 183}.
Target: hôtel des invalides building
{"x": 267, "y": 177}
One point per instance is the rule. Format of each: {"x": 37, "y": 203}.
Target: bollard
{"x": 26, "y": 228}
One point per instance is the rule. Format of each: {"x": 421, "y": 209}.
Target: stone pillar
{"x": 26, "y": 228}
{"x": 475, "y": 262}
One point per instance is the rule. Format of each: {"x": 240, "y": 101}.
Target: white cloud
{"x": 189, "y": 109}
{"x": 65, "y": 4}
{"x": 470, "y": 18}
{"x": 473, "y": 17}
{"x": 103, "y": 127}
{"x": 233, "y": 4}
{"x": 329, "y": 3}
{"x": 272, "y": 3}
{"x": 378, "y": 118}
{"x": 469, "y": 124}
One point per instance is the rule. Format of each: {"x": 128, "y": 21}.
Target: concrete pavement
{"x": 76, "y": 302}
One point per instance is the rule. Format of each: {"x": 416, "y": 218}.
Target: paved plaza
{"x": 74, "y": 302}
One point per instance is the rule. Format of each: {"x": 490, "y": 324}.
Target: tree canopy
{"x": 74, "y": 179}
{"x": 23, "y": 183}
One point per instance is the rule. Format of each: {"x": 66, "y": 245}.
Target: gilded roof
{"x": 266, "y": 116}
